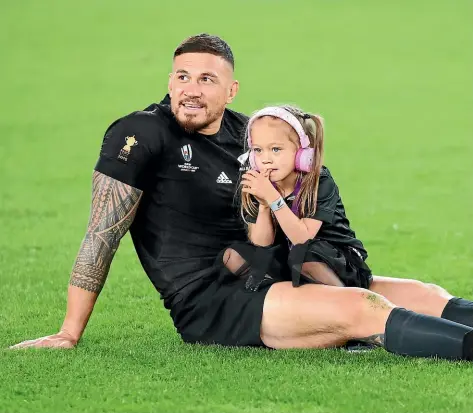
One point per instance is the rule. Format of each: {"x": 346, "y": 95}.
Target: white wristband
{"x": 278, "y": 204}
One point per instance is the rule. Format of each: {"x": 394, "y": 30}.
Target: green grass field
{"x": 394, "y": 83}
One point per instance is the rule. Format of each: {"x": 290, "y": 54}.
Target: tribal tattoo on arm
{"x": 114, "y": 206}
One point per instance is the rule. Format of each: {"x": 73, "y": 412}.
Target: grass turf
{"x": 393, "y": 82}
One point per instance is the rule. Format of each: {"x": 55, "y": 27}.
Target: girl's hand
{"x": 259, "y": 185}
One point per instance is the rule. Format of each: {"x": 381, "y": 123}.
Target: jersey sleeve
{"x": 327, "y": 198}
{"x": 128, "y": 147}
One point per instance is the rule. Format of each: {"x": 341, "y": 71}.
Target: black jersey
{"x": 188, "y": 212}
{"x": 330, "y": 210}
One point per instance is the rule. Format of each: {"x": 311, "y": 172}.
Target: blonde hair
{"x": 306, "y": 199}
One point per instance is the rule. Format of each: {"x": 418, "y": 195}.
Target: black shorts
{"x": 220, "y": 310}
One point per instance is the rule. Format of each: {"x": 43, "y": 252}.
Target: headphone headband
{"x": 284, "y": 115}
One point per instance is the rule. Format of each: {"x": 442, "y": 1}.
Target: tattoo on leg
{"x": 377, "y": 301}
{"x": 376, "y": 339}
{"x": 114, "y": 206}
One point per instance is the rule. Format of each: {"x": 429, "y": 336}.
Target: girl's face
{"x": 273, "y": 143}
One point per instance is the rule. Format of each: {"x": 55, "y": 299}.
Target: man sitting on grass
{"x": 168, "y": 174}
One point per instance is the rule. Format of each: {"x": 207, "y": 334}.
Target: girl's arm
{"x": 262, "y": 232}
{"x": 297, "y": 230}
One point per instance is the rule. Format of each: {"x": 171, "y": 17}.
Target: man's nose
{"x": 192, "y": 90}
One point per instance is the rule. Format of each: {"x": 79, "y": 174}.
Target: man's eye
{"x": 207, "y": 79}
{"x": 182, "y": 77}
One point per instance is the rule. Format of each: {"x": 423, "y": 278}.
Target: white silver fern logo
{"x": 243, "y": 158}
{"x": 186, "y": 151}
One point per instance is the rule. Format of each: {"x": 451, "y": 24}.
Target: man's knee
{"x": 362, "y": 310}
{"x": 426, "y": 288}
{"x": 368, "y": 312}
{"x": 363, "y": 304}
{"x": 359, "y": 305}
{"x": 436, "y": 289}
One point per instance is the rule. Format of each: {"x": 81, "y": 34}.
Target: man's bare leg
{"x": 414, "y": 295}
{"x": 320, "y": 316}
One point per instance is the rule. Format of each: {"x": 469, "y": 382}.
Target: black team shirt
{"x": 188, "y": 213}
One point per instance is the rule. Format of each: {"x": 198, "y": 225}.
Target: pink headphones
{"x": 304, "y": 155}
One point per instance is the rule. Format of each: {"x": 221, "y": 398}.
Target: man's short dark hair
{"x": 206, "y": 43}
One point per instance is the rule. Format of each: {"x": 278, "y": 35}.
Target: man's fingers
{"x": 23, "y": 344}
{"x": 28, "y": 343}
{"x": 42, "y": 342}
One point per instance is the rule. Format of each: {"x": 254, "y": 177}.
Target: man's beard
{"x": 191, "y": 126}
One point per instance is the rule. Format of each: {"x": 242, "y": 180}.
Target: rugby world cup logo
{"x": 186, "y": 151}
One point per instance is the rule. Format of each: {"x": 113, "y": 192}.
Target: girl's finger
{"x": 245, "y": 182}
{"x": 249, "y": 178}
{"x": 247, "y": 175}
{"x": 252, "y": 172}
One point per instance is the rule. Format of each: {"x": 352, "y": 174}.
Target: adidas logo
{"x": 223, "y": 179}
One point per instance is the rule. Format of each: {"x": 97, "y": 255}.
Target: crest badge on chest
{"x": 186, "y": 152}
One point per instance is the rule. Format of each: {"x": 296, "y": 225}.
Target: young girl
{"x": 298, "y": 229}
{"x": 290, "y": 198}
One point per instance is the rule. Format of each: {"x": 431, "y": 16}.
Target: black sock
{"x": 412, "y": 334}
{"x": 459, "y": 310}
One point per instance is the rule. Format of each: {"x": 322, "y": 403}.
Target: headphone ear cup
{"x": 304, "y": 158}
{"x": 253, "y": 161}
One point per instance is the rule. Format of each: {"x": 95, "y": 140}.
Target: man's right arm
{"x": 114, "y": 206}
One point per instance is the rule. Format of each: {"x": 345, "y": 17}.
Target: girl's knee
{"x": 233, "y": 260}
{"x": 321, "y": 274}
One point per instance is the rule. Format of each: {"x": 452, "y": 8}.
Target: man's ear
{"x": 233, "y": 91}
{"x": 170, "y": 83}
